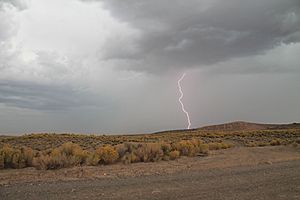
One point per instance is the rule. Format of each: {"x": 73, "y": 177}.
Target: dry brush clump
{"x": 276, "y": 142}
{"x": 173, "y": 155}
{"x": 52, "y": 151}
{"x": 140, "y": 152}
{"x": 219, "y": 145}
{"x": 15, "y": 158}
{"x": 44, "y": 141}
{"x": 190, "y": 147}
{"x": 70, "y": 154}
{"x": 67, "y": 155}
{"x": 273, "y": 142}
{"x": 107, "y": 154}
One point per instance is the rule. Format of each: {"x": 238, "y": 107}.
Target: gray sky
{"x": 111, "y": 66}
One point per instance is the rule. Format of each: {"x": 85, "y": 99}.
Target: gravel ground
{"x": 265, "y": 181}
{"x": 237, "y": 173}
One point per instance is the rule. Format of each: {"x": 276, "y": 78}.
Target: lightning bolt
{"x": 180, "y": 98}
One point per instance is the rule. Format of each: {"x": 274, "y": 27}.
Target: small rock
{"x": 269, "y": 162}
{"x": 201, "y": 155}
{"x": 155, "y": 191}
{"x": 73, "y": 190}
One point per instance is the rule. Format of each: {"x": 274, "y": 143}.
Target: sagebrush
{"x": 70, "y": 154}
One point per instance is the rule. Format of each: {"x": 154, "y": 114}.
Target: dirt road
{"x": 275, "y": 179}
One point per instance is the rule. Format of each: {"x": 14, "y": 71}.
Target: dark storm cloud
{"x": 45, "y": 82}
{"x": 68, "y": 56}
{"x": 192, "y": 33}
{"x": 30, "y": 95}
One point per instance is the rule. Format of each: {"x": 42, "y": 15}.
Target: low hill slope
{"x": 235, "y": 126}
{"x": 240, "y": 125}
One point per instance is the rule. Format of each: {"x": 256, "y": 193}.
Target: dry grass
{"x": 48, "y": 141}
{"x": 174, "y": 154}
{"x": 218, "y": 145}
{"x": 15, "y": 158}
{"x": 52, "y": 151}
{"x": 67, "y": 155}
{"x": 190, "y": 147}
{"x": 70, "y": 154}
{"x": 107, "y": 154}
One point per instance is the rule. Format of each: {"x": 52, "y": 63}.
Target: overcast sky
{"x": 111, "y": 66}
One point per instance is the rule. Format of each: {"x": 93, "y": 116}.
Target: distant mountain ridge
{"x": 238, "y": 126}
{"x": 241, "y": 125}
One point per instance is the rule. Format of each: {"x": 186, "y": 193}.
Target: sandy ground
{"x": 237, "y": 173}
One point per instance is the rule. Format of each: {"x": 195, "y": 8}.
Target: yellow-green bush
{"x": 166, "y": 148}
{"x": 128, "y": 158}
{"x": 188, "y": 147}
{"x": 143, "y": 152}
{"x": 28, "y": 155}
{"x": 1, "y": 161}
{"x": 191, "y": 147}
{"x": 107, "y": 154}
{"x": 218, "y": 145}
{"x": 203, "y": 148}
{"x": 184, "y": 147}
{"x": 128, "y": 152}
{"x": 6, "y": 153}
{"x": 70, "y": 154}
{"x": 174, "y": 154}
{"x": 150, "y": 152}
{"x": 42, "y": 162}
{"x": 93, "y": 159}
{"x": 67, "y": 155}
{"x": 15, "y": 158}
{"x": 125, "y": 148}
{"x": 276, "y": 142}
